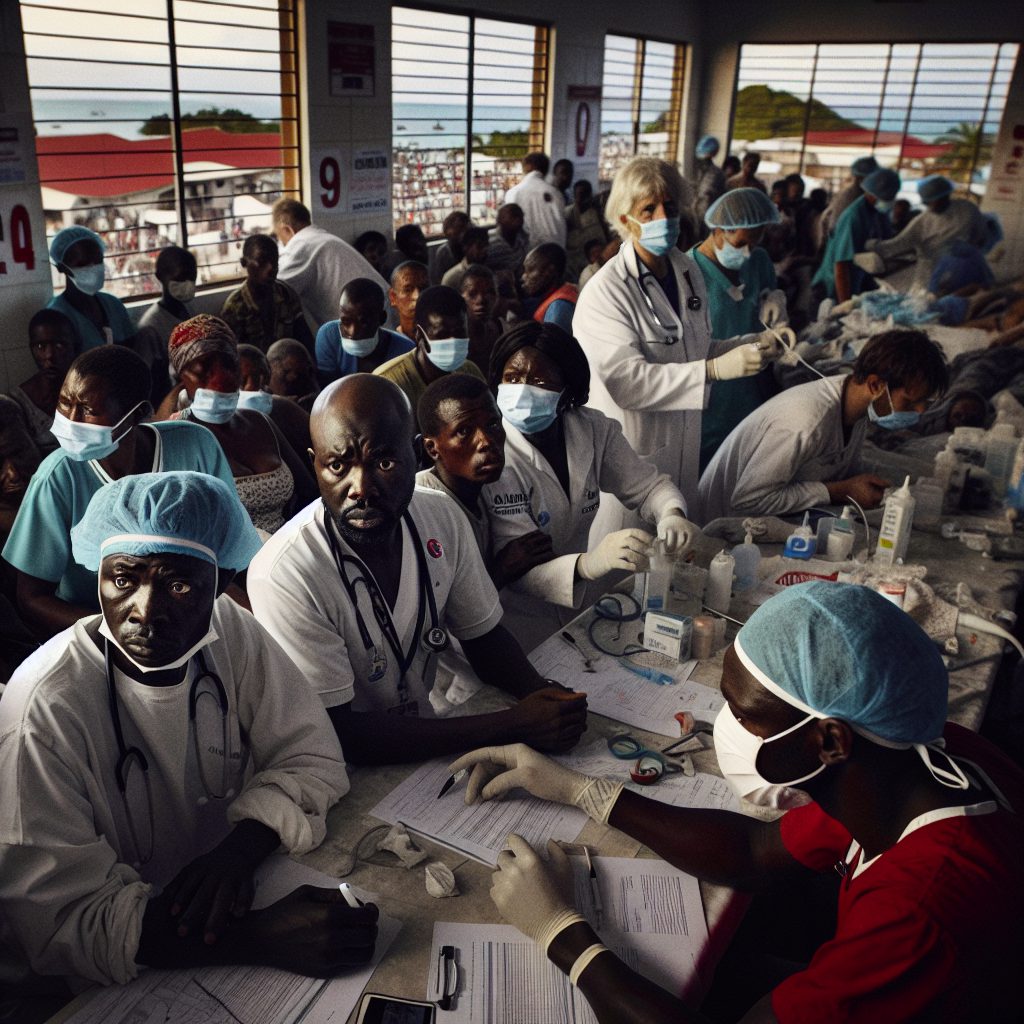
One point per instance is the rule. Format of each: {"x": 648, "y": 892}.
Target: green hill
{"x": 764, "y": 113}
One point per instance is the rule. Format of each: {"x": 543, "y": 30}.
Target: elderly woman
{"x": 559, "y": 456}
{"x": 643, "y": 322}
{"x": 99, "y": 424}
{"x": 742, "y": 298}
{"x": 268, "y": 473}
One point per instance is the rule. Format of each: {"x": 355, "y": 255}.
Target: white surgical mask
{"x": 89, "y": 280}
{"x": 737, "y": 751}
{"x": 359, "y": 347}
{"x": 733, "y": 257}
{"x": 528, "y": 408}
{"x": 86, "y": 441}
{"x": 183, "y": 291}
{"x": 883, "y": 205}
{"x": 214, "y": 406}
{"x": 210, "y": 635}
{"x": 260, "y": 401}
{"x": 448, "y": 354}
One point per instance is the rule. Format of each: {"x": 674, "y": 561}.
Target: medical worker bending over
{"x": 802, "y": 447}
{"x": 643, "y": 322}
{"x": 362, "y": 588}
{"x": 920, "y": 818}
{"x": 559, "y": 456}
{"x": 152, "y": 756}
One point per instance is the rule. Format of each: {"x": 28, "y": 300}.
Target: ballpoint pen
{"x": 595, "y": 892}
{"x": 350, "y": 897}
{"x": 650, "y": 674}
{"x": 450, "y": 781}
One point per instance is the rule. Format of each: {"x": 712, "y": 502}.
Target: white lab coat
{"x": 528, "y": 496}
{"x": 657, "y": 391}
{"x": 543, "y": 209}
{"x": 67, "y": 884}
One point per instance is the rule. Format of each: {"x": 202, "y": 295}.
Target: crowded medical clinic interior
{"x": 511, "y": 512}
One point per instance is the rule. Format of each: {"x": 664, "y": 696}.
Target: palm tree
{"x": 969, "y": 148}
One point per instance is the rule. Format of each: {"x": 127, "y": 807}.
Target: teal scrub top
{"x": 59, "y": 492}
{"x": 731, "y": 401}
{"x": 89, "y": 335}
{"x": 857, "y": 223}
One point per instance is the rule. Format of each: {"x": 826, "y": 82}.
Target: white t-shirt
{"x": 297, "y": 594}
{"x": 68, "y": 881}
{"x": 543, "y": 209}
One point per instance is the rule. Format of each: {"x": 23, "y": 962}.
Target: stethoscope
{"x": 129, "y": 756}
{"x": 694, "y": 303}
{"x": 434, "y": 640}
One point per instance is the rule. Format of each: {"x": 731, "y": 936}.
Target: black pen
{"x": 452, "y": 779}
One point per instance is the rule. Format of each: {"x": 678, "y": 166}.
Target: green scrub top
{"x": 857, "y": 223}
{"x": 731, "y": 401}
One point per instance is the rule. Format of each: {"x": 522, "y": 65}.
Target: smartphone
{"x": 380, "y": 1009}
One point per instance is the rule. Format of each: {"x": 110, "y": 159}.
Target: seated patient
{"x": 920, "y": 818}
{"x": 802, "y": 447}
{"x": 124, "y": 843}
{"x": 255, "y": 393}
{"x": 99, "y": 424}
{"x": 362, "y": 588}
{"x": 292, "y": 373}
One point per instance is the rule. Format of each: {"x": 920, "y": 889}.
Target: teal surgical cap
{"x": 839, "y": 650}
{"x": 67, "y": 237}
{"x": 708, "y": 146}
{"x": 935, "y": 186}
{"x": 882, "y": 184}
{"x": 863, "y": 166}
{"x": 181, "y": 512}
{"x": 741, "y": 208}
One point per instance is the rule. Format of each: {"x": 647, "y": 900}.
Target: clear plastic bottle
{"x": 897, "y": 519}
{"x": 747, "y": 557}
{"x": 720, "y": 574}
{"x": 659, "y": 579}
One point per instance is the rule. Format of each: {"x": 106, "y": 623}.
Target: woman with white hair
{"x": 643, "y": 322}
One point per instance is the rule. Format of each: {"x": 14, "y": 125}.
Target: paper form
{"x": 617, "y": 693}
{"x": 243, "y": 995}
{"x": 479, "y": 831}
{"x": 653, "y": 920}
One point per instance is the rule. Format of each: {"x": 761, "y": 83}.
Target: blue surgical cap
{"x": 708, "y": 146}
{"x": 67, "y": 237}
{"x": 935, "y": 186}
{"x": 839, "y": 650}
{"x": 741, "y": 208}
{"x": 863, "y": 166}
{"x": 184, "y": 513}
{"x": 882, "y": 184}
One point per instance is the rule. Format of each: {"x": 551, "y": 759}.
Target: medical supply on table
{"x": 595, "y": 889}
{"x": 615, "y": 610}
{"x": 1000, "y": 453}
{"x": 897, "y": 520}
{"x": 649, "y": 765}
{"x": 588, "y": 665}
{"x": 658, "y": 584}
{"x": 719, "y": 592}
{"x": 746, "y": 559}
{"x": 839, "y": 545}
{"x": 668, "y": 634}
{"x": 969, "y": 445}
{"x": 895, "y": 592}
{"x": 1014, "y": 500}
{"x": 950, "y": 474}
{"x": 801, "y": 542}
{"x": 702, "y": 644}
{"x": 439, "y": 880}
{"x": 650, "y": 674}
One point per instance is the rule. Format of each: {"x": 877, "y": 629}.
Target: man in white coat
{"x": 152, "y": 756}
{"x": 643, "y": 322}
{"x": 542, "y": 204}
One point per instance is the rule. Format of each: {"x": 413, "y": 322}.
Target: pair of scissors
{"x": 689, "y": 728}
{"x": 650, "y": 765}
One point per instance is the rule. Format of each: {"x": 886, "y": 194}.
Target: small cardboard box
{"x": 668, "y": 634}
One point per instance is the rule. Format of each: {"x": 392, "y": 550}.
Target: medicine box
{"x": 668, "y": 634}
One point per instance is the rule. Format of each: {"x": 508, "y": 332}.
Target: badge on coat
{"x": 434, "y": 548}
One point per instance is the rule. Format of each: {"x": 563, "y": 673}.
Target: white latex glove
{"x": 676, "y": 533}
{"x": 741, "y": 361}
{"x": 773, "y": 311}
{"x": 534, "y": 895}
{"x": 498, "y": 770}
{"x": 623, "y": 549}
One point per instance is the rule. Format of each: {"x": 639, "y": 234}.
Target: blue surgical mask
{"x": 448, "y": 354}
{"x": 731, "y": 257}
{"x": 528, "y": 408}
{"x": 86, "y": 441}
{"x": 658, "y": 236}
{"x": 89, "y": 280}
{"x": 883, "y": 205}
{"x": 260, "y": 401}
{"x": 214, "y": 406}
{"x": 360, "y": 347}
{"x": 894, "y": 420}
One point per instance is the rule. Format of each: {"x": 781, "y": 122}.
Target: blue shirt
{"x": 857, "y": 223}
{"x": 332, "y": 361}
{"x": 60, "y": 490}
{"x": 88, "y": 334}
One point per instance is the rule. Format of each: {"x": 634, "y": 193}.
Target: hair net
{"x": 842, "y": 650}
{"x": 181, "y": 512}
{"x": 741, "y": 208}
{"x": 863, "y": 166}
{"x": 935, "y": 186}
{"x": 198, "y": 337}
{"x": 708, "y": 146}
{"x": 882, "y": 184}
{"x": 67, "y": 237}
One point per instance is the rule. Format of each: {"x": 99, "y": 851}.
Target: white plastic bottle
{"x": 747, "y": 557}
{"x": 839, "y": 546}
{"x": 999, "y": 455}
{"x": 897, "y": 519}
{"x": 719, "y": 591}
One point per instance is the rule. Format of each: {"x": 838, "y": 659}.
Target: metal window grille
{"x": 921, "y": 108}
{"x": 175, "y": 124}
{"x": 641, "y": 101}
{"x": 469, "y": 102}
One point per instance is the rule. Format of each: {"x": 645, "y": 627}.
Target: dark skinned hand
{"x": 551, "y": 719}
{"x": 519, "y": 556}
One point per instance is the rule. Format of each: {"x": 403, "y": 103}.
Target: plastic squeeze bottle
{"x": 719, "y": 592}
{"x": 747, "y": 557}
{"x": 897, "y": 519}
{"x": 840, "y": 539}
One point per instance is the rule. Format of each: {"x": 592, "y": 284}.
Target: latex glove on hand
{"x": 676, "y": 533}
{"x": 773, "y": 310}
{"x": 623, "y": 549}
{"x": 742, "y": 361}
{"x": 498, "y": 770}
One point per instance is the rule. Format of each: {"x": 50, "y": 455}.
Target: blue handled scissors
{"x": 650, "y": 765}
